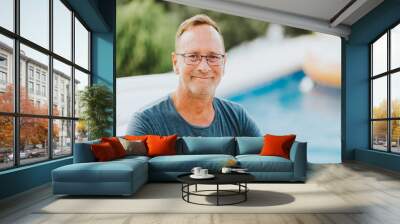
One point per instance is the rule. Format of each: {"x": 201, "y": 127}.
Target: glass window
{"x": 81, "y": 45}
{"x": 33, "y": 140}
{"x": 6, "y": 73}
{"x": 7, "y": 14}
{"x": 379, "y": 135}
{"x": 379, "y": 56}
{"x": 81, "y": 131}
{"x": 395, "y": 136}
{"x": 40, "y": 62}
{"x": 81, "y": 81}
{"x": 62, "y": 72}
{"x": 379, "y": 97}
{"x": 395, "y": 95}
{"x": 30, "y": 87}
{"x": 30, "y": 71}
{"x": 6, "y": 142}
{"x": 62, "y": 137}
{"x": 62, "y": 29}
{"x": 395, "y": 47}
{"x": 34, "y": 21}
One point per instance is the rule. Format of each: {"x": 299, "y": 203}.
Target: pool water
{"x": 279, "y": 107}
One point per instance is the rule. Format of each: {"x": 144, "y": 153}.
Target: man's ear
{"x": 174, "y": 60}
{"x": 225, "y": 58}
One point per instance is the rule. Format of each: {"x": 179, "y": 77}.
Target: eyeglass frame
{"x": 201, "y": 58}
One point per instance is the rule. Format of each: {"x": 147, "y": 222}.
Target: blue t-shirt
{"x": 162, "y": 118}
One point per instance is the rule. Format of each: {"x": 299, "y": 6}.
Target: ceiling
{"x": 326, "y": 16}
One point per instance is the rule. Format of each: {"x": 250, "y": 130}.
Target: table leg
{"x": 196, "y": 188}
{"x": 245, "y": 193}
{"x": 217, "y": 194}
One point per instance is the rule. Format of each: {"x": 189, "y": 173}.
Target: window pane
{"x": 81, "y": 45}
{"x": 34, "y": 76}
{"x": 81, "y": 131}
{"x": 379, "y": 55}
{"x": 33, "y": 140}
{"x": 379, "y": 97}
{"x": 62, "y": 137}
{"x": 395, "y": 47}
{"x": 7, "y": 14}
{"x": 395, "y": 94}
{"x": 35, "y": 21}
{"x": 395, "y": 136}
{"x": 6, "y": 74}
{"x": 379, "y": 135}
{"x": 62, "y": 29}
{"x": 81, "y": 81}
{"x": 62, "y": 89}
{"x": 6, "y": 142}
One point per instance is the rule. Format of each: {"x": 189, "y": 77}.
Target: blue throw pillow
{"x": 249, "y": 145}
{"x": 208, "y": 145}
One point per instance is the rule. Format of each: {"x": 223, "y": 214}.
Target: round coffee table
{"x": 238, "y": 179}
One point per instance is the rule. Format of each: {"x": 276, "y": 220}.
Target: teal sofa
{"x": 125, "y": 176}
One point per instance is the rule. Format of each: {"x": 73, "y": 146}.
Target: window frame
{"x": 388, "y": 74}
{"x": 16, "y": 114}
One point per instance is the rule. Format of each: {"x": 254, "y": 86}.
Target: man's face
{"x": 201, "y": 79}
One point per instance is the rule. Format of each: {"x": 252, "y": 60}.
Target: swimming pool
{"x": 280, "y": 107}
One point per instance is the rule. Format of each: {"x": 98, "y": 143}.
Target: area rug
{"x": 167, "y": 198}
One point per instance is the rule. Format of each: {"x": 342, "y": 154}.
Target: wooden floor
{"x": 377, "y": 188}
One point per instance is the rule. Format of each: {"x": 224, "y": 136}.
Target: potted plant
{"x": 96, "y": 102}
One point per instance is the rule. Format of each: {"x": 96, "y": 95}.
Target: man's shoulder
{"x": 228, "y": 104}
{"x": 155, "y": 107}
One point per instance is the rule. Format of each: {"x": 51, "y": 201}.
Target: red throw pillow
{"x": 161, "y": 145}
{"x": 277, "y": 145}
{"x": 116, "y": 145}
{"x": 103, "y": 151}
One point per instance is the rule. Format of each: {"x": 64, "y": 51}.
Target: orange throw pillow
{"x": 161, "y": 145}
{"x": 135, "y": 138}
{"x": 277, "y": 145}
{"x": 116, "y": 145}
{"x": 103, "y": 151}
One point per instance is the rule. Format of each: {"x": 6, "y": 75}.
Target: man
{"x": 192, "y": 109}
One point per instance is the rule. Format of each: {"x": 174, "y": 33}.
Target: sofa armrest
{"x": 83, "y": 152}
{"x": 298, "y": 155}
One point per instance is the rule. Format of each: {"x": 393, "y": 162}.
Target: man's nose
{"x": 203, "y": 65}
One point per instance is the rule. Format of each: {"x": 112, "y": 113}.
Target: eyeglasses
{"x": 195, "y": 59}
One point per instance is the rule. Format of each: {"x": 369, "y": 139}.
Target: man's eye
{"x": 213, "y": 57}
{"x": 192, "y": 57}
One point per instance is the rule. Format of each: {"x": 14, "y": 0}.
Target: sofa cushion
{"x": 83, "y": 152}
{"x": 111, "y": 171}
{"x": 257, "y": 163}
{"x": 249, "y": 145}
{"x": 208, "y": 145}
{"x": 185, "y": 163}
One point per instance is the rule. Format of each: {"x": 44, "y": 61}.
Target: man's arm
{"x": 249, "y": 127}
{"x": 138, "y": 125}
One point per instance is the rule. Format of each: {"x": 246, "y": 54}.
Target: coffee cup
{"x": 203, "y": 172}
{"x": 226, "y": 170}
{"x": 196, "y": 170}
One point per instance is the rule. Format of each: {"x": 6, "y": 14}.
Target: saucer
{"x": 208, "y": 176}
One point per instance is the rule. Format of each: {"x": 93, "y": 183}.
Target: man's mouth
{"x": 204, "y": 78}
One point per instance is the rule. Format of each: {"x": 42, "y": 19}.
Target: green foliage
{"x": 293, "y": 32}
{"x": 145, "y": 38}
{"x": 97, "y": 105}
{"x": 146, "y": 33}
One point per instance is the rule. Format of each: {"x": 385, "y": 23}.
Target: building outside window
{"x": 34, "y": 79}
